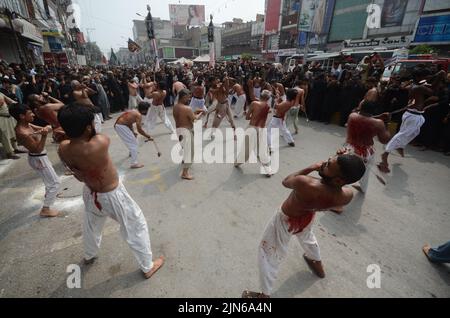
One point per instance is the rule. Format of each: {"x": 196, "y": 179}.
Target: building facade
{"x": 36, "y": 32}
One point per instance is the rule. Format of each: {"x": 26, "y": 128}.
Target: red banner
{"x": 273, "y": 10}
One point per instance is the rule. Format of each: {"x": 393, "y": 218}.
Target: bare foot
{"x": 90, "y": 262}
{"x": 48, "y": 213}
{"x": 384, "y": 168}
{"x": 68, "y": 173}
{"x": 315, "y": 266}
{"x": 138, "y": 166}
{"x": 401, "y": 152}
{"x": 249, "y": 294}
{"x": 426, "y": 250}
{"x": 187, "y": 177}
{"x": 156, "y": 267}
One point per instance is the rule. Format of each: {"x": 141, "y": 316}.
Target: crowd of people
{"x": 72, "y": 103}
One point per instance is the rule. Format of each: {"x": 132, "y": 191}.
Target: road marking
{"x": 155, "y": 179}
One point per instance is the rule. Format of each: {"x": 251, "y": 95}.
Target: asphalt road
{"x": 209, "y": 229}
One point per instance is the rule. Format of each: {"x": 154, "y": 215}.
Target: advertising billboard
{"x": 272, "y": 22}
{"x": 311, "y": 15}
{"x": 393, "y": 13}
{"x": 181, "y": 14}
{"x": 434, "y": 5}
{"x": 433, "y": 29}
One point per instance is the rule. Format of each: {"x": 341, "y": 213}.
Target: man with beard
{"x": 86, "y": 155}
{"x": 296, "y": 216}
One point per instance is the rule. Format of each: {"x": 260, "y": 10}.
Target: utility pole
{"x": 11, "y": 16}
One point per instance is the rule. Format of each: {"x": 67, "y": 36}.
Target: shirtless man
{"x": 278, "y": 118}
{"x": 256, "y": 132}
{"x": 422, "y": 99}
{"x": 362, "y": 128}
{"x": 198, "y": 97}
{"x": 158, "y": 110}
{"x": 149, "y": 87}
{"x": 372, "y": 95}
{"x": 292, "y": 114}
{"x": 82, "y": 94}
{"x": 255, "y": 87}
{"x": 176, "y": 88}
{"x": 124, "y": 127}
{"x": 135, "y": 98}
{"x": 184, "y": 119}
{"x": 33, "y": 138}
{"x": 296, "y": 216}
{"x": 46, "y": 108}
{"x": 222, "y": 110}
{"x": 86, "y": 155}
{"x": 241, "y": 99}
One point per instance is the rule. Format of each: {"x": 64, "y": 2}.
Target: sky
{"x": 110, "y": 22}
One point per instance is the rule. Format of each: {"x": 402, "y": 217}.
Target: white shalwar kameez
{"x": 42, "y": 165}
{"x": 412, "y": 122}
{"x": 275, "y": 242}
{"x": 130, "y": 140}
{"x": 119, "y": 206}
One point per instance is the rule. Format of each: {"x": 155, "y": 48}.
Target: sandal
{"x": 249, "y": 294}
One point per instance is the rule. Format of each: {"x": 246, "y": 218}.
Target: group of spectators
{"x": 331, "y": 95}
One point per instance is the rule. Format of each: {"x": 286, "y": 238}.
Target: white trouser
{"x": 292, "y": 116}
{"x": 187, "y": 144}
{"x": 198, "y": 104}
{"x": 274, "y": 247}
{"x": 148, "y": 100}
{"x": 98, "y": 122}
{"x": 255, "y": 147}
{"x": 134, "y": 101}
{"x": 369, "y": 159}
{"x": 410, "y": 129}
{"x": 44, "y": 167}
{"x": 280, "y": 124}
{"x": 257, "y": 92}
{"x": 119, "y": 206}
{"x": 239, "y": 106}
{"x": 152, "y": 116}
{"x": 130, "y": 140}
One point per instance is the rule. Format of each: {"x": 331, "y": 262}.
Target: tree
{"x": 422, "y": 49}
{"x": 246, "y": 56}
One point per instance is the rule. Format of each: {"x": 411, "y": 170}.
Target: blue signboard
{"x": 433, "y": 29}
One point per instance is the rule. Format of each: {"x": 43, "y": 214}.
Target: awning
{"x": 28, "y": 30}
{"x": 202, "y": 59}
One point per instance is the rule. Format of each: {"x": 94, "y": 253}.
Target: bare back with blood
{"x": 90, "y": 163}
{"x": 258, "y": 114}
{"x": 362, "y": 130}
{"x": 128, "y": 118}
